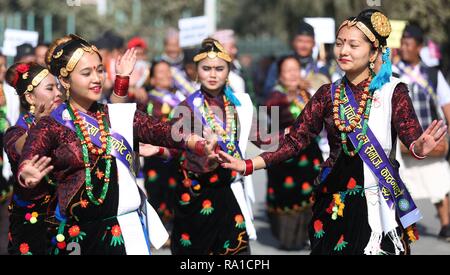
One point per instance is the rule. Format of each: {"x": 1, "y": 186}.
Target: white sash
{"x": 134, "y": 233}
{"x": 380, "y": 216}
{"x": 245, "y": 194}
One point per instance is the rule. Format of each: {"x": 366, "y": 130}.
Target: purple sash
{"x": 22, "y": 123}
{"x": 181, "y": 83}
{"x": 120, "y": 148}
{"x": 199, "y": 97}
{"x": 391, "y": 185}
{"x": 164, "y": 96}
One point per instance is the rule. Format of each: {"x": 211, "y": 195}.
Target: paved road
{"x": 267, "y": 245}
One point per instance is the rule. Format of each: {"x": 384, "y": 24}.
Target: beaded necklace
{"x": 297, "y": 106}
{"x": 86, "y": 143}
{"x": 229, "y": 133}
{"x": 363, "y": 111}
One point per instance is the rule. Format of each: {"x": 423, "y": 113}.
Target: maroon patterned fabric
{"x": 49, "y": 138}
{"x": 319, "y": 112}
{"x": 10, "y": 139}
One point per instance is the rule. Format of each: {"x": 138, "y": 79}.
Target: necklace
{"x": 340, "y": 119}
{"x": 229, "y": 133}
{"x": 83, "y": 135}
{"x": 297, "y": 106}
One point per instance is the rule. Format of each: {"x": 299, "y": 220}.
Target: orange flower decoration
{"x": 74, "y": 231}
{"x": 214, "y": 179}
{"x": 185, "y": 197}
{"x": 115, "y": 231}
{"x": 351, "y": 183}
{"x": 24, "y": 248}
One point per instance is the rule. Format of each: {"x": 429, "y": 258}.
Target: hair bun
{"x": 208, "y": 42}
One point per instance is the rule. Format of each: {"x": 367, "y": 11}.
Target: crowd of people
{"x": 108, "y": 151}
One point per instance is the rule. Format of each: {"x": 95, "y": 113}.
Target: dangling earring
{"x": 371, "y": 68}
{"x": 67, "y": 88}
{"x": 32, "y": 109}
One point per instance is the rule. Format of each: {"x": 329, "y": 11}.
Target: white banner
{"x": 324, "y": 29}
{"x": 193, "y": 30}
{"x": 14, "y": 38}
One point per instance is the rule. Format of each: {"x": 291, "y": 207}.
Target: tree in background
{"x": 274, "y": 19}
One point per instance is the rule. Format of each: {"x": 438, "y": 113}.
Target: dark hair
{"x": 305, "y": 29}
{"x": 15, "y": 78}
{"x": 153, "y": 65}
{"x": 61, "y": 50}
{"x": 189, "y": 55}
{"x": 413, "y": 30}
{"x": 283, "y": 59}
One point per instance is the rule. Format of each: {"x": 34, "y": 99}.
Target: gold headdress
{"x": 220, "y": 53}
{"x": 378, "y": 21}
{"x": 83, "y": 47}
{"x": 37, "y": 80}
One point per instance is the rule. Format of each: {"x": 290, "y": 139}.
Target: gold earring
{"x": 372, "y": 65}
{"x": 67, "y": 88}
{"x": 32, "y": 109}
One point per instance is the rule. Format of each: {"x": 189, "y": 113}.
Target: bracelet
{"x": 411, "y": 149}
{"x": 199, "y": 148}
{"x": 160, "y": 151}
{"x": 121, "y": 85}
{"x": 249, "y": 169}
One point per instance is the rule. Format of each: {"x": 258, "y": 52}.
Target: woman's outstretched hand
{"x": 232, "y": 163}
{"x": 211, "y": 148}
{"x": 125, "y": 64}
{"x": 435, "y": 133}
{"x": 148, "y": 150}
{"x": 33, "y": 171}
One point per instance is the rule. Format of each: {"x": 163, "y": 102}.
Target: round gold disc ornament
{"x": 212, "y": 55}
{"x": 381, "y": 24}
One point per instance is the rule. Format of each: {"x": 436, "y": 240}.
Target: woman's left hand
{"x": 148, "y": 150}
{"x": 435, "y": 133}
{"x": 125, "y": 64}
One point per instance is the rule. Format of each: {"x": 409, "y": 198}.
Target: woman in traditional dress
{"x": 161, "y": 177}
{"x": 290, "y": 184}
{"x": 39, "y": 95}
{"x": 212, "y": 214}
{"x": 91, "y": 147}
{"x": 361, "y": 205}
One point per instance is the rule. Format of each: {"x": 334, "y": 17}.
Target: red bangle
{"x": 121, "y": 85}
{"x": 249, "y": 169}
{"x": 411, "y": 149}
{"x": 160, "y": 151}
{"x": 199, "y": 148}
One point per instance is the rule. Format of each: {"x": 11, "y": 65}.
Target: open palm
{"x": 435, "y": 133}
{"x": 34, "y": 170}
{"x": 125, "y": 64}
{"x": 232, "y": 163}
